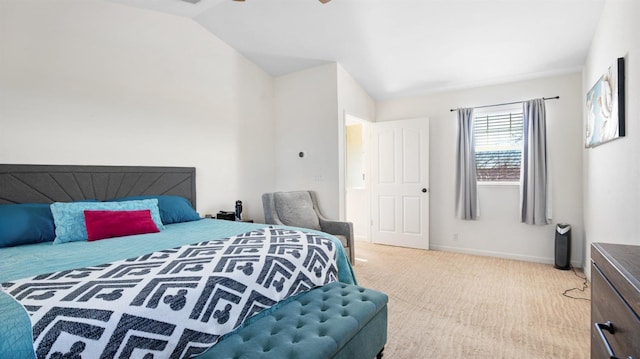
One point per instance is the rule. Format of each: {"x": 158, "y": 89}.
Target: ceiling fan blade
{"x": 322, "y": 1}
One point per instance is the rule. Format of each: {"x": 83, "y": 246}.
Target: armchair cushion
{"x": 300, "y": 209}
{"x": 296, "y": 209}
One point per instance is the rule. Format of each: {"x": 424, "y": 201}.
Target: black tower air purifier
{"x": 563, "y": 246}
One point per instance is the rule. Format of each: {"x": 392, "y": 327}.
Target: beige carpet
{"x": 450, "y": 305}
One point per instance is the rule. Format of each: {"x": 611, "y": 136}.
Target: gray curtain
{"x": 466, "y": 189}
{"x": 534, "y": 175}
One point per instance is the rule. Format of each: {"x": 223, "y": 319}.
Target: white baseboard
{"x": 519, "y": 257}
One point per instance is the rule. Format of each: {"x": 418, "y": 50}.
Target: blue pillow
{"x": 26, "y": 223}
{"x": 173, "y": 209}
{"x": 69, "y": 217}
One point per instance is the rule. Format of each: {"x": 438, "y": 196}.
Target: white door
{"x": 400, "y": 183}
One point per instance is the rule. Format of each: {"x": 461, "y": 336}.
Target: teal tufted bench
{"x": 334, "y": 321}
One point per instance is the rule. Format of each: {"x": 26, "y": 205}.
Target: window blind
{"x": 503, "y": 130}
{"x": 498, "y": 145}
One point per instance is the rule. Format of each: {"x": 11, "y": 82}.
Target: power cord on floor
{"x": 585, "y": 285}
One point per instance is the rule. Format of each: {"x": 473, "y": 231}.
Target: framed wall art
{"x": 605, "y": 107}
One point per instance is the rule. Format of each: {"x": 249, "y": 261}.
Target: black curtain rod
{"x": 510, "y": 103}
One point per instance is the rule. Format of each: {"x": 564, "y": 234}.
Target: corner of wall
{"x": 610, "y": 171}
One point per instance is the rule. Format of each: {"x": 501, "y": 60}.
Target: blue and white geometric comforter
{"x": 172, "y": 303}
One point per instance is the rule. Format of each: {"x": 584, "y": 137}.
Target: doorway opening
{"x": 357, "y": 188}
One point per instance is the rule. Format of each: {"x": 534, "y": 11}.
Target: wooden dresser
{"x": 615, "y": 301}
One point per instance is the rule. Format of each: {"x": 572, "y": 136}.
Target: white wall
{"x": 499, "y": 232}
{"x": 93, "y": 82}
{"x": 352, "y": 101}
{"x": 310, "y": 106}
{"x": 306, "y": 121}
{"x": 612, "y": 170}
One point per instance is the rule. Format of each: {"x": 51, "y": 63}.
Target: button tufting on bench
{"x": 315, "y": 325}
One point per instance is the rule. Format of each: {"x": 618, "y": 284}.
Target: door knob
{"x": 424, "y": 190}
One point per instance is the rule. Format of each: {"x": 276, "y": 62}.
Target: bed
{"x": 149, "y": 270}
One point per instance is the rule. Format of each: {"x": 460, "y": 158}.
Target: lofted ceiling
{"x": 399, "y": 48}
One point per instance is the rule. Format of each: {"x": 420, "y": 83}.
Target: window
{"x": 498, "y": 145}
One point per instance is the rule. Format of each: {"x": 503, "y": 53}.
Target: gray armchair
{"x": 300, "y": 209}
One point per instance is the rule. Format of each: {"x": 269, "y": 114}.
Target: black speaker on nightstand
{"x": 563, "y": 246}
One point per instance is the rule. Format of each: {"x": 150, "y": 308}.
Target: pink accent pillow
{"x": 109, "y": 224}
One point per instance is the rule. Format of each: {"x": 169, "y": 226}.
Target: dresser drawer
{"x": 608, "y": 306}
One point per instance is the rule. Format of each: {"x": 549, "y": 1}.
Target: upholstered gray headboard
{"x": 66, "y": 183}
